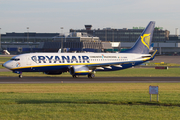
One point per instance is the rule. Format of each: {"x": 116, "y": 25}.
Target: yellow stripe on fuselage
{"x": 146, "y": 59}
{"x": 82, "y": 72}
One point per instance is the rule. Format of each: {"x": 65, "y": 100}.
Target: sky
{"x": 49, "y": 16}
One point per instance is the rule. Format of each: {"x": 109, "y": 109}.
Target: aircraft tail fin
{"x": 143, "y": 43}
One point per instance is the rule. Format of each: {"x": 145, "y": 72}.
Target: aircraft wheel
{"x": 88, "y": 75}
{"x": 74, "y": 76}
{"x": 20, "y": 76}
{"x": 91, "y": 75}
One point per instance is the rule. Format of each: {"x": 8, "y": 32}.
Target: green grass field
{"x": 3, "y": 60}
{"x": 89, "y": 101}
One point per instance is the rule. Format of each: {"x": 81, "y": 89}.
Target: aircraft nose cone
{"x": 4, "y": 65}
{"x": 7, "y": 65}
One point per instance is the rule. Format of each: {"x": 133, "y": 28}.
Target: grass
{"x": 4, "y": 59}
{"x": 161, "y": 64}
{"x": 88, "y": 101}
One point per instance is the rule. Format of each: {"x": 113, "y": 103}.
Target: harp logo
{"x": 146, "y": 40}
{"x": 102, "y": 56}
{"x": 18, "y": 64}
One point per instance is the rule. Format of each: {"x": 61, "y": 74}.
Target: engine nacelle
{"x": 53, "y": 73}
{"x": 79, "y": 70}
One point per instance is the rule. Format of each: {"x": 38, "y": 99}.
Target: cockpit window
{"x": 15, "y": 59}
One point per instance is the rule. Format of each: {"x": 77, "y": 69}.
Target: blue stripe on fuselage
{"x": 43, "y": 69}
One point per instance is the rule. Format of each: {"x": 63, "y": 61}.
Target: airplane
{"x": 78, "y": 64}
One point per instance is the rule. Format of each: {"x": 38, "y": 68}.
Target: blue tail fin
{"x": 143, "y": 43}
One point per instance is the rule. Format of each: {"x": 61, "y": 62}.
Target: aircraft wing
{"x": 102, "y": 66}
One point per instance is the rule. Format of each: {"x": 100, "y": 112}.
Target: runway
{"x": 25, "y": 80}
{"x": 167, "y": 59}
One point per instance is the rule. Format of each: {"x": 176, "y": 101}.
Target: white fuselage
{"x": 38, "y": 60}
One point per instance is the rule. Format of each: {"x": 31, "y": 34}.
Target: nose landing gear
{"x": 18, "y": 72}
{"x": 20, "y": 76}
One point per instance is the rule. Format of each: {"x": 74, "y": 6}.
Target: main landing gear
{"x": 91, "y": 75}
{"x": 74, "y": 76}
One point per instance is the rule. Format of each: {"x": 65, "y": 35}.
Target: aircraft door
{"x": 28, "y": 60}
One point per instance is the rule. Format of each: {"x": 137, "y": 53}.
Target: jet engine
{"x": 53, "y": 72}
{"x": 79, "y": 70}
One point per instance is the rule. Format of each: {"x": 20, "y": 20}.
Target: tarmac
{"x": 167, "y": 59}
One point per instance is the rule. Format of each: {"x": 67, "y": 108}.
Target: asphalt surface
{"x": 167, "y": 59}
{"x": 16, "y": 80}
